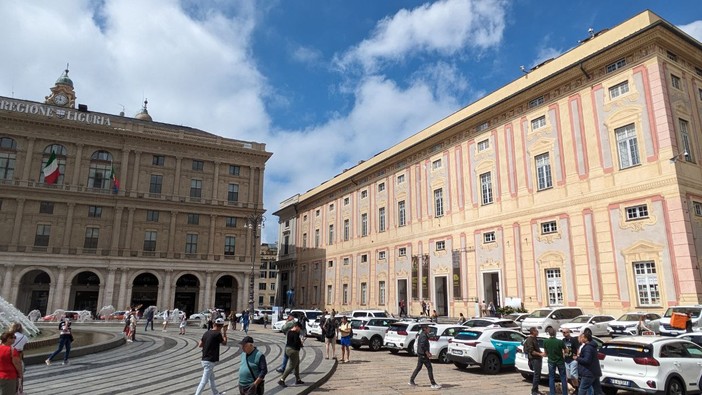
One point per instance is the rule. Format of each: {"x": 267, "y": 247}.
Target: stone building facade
{"x": 266, "y": 283}
{"x": 577, "y": 184}
{"x": 143, "y": 212}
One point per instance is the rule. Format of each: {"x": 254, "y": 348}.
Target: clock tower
{"x": 62, "y": 93}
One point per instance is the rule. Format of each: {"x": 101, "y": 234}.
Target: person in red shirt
{"x": 10, "y": 365}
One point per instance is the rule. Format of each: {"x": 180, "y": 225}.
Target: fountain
{"x": 10, "y": 314}
{"x": 105, "y": 312}
{"x": 34, "y": 315}
{"x": 80, "y": 316}
{"x": 175, "y": 316}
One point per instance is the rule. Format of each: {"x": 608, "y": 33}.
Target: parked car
{"x": 439, "y": 336}
{"x": 369, "y": 313}
{"x": 490, "y": 322}
{"x": 314, "y": 328}
{"x": 370, "y": 332}
{"x": 202, "y": 315}
{"x": 517, "y": 317}
{"x": 401, "y": 335}
{"x": 278, "y": 325}
{"x": 489, "y": 348}
{"x": 551, "y": 317}
{"x": 651, "y": 364}
{"x": 695, "y": 337}
{"x": 695, "y": 313}
{"x": 627, "y": 323}
{"x": 596, "y": 323}
{"x": 258, "y": 315}
{"x": 521, "y": 361}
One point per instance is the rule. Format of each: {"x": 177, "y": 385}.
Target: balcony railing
{"x": 44, "y": 250}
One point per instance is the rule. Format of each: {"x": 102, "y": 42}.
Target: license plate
{"x": 456, "y": 352}
{"x": 618, "y": 331}
{"x": 624, "y": 383}
{"x": 389, "y": 344}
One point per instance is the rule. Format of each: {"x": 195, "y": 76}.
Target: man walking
{"x": 293, "y": 345}
{"x": 252, "y": 369}
{"x": 554, "y": 349}
{"x": 424, "y": 358}
{"x": 286, "y": 327}
{"x": 265, "y": 320}
{"x": 65, "y": 340}
{"x": 149, "y": 319}
{"x": 210, "y": 354}
{"x": 589, "y": 370}
{"x": 535, "y": 355}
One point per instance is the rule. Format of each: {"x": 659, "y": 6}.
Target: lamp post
{"x": 254, "y": 222}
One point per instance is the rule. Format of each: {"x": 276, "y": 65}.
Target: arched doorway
{"x": 85, "y": 289}
{"x": 34, "y": 287}
{"x": 186, "y": 294}
{"x": 144, "y": 290}
{"x": 225, "y": 294}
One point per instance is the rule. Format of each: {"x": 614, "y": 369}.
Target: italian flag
{"x": 115, "y": 181}
{"x": 51, "y": 170}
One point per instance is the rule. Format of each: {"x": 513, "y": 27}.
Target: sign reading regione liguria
{"x": 69, "y": 114}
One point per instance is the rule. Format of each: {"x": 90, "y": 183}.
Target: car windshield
{"x": 398, "y": 327}
{"x": 626, "y": 350}
{"x": 507, "y": 324}
{"x": 468, "y": 335}
{"x": 311, "y": 315}
{"x": 540, "y": 313}
{"x": 629, "y": 317}
{"x": 381, "y": 314}
{"x": 694, "y": 311}
{"x": 355, "y": 324}
{"x": 580, "y": 320}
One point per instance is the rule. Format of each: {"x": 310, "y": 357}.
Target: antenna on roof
{"x": 523, "y": 69}
{"x": 121, "y": 113}
{"x": 591, "y": 31}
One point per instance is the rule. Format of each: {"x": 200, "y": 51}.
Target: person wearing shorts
{"x": 345, "y": 331}
{"x": 330, "y": 333}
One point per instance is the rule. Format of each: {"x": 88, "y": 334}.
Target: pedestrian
{"x": 10, "y": 365}
{"x": 572, "y": 344}
{"x": 285, "y": 328}
{"x": 132, "y": 327}
{"x": 245, "y": 319}
{"x": 252, "y": 369}
{"x": 483, "y": 309}
{"x": 535, "y": 356}
{"x": 345, "y": 333}
{"x": 554, "y": 349}
{"x": 434, "y": 317}
{"x": 641, "y": 327}
{"x": 166, "y": 317}
{"x": 210, "y": 354}
{"x": 265, "y": 320}
{"x": 330, "y": 332}
{"x": 65, "y": 340}
{"x": 293, "y": 345}
{"x": 149, "y": 319}
{"x": 21, "y": 340}
{"x": 183, "y": 323}
{"x": 424, "y": 307}
{"x": 403, "y": 311}
{"x": 461, "y": 318}
{"x": 589, "y": 370}
{"x": 303, "y": 320}
{"x": 493, "y": 311}
{"x": 424, "y": 358}
{"x": 688, "y": 323}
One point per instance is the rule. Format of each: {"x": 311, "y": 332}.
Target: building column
{"x": 59, "y": 290}
{"x": 201, "y": 300}
{"x": 116, "y": 226}
{"x": 171, "y": 233}
{"x": 108, "y": 295}
{"x": 68, "y": 229}
{"x": 261, "y": 172}
{"x": 251, "y": 201}
{"x": 7, "y": 282}
{"x": 243, "y": 291}
{"x": 122, "y": 289}
{"x": 176, "y": 181}
{"x": 28, "y": 159}
{"x": 211, "y": 236}
{"x": 77, "y": 165}
{"x": 123, "y": 170}
{"x": 128, "y": 235}
{"x": 135, "y": 174}
{"x": 208, "y": 289}
{"x": 216, "y": 181}
{"x": 17, "y": 225}
{"x": 165, "y": 299}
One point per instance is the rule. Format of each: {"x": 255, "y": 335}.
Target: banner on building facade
{"x": 456, "y": 260}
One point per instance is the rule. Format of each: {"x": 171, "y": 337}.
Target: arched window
{"x": 8, "y": 154}
{"x": 61, "y": 154}
{"x": 100, "y": 168}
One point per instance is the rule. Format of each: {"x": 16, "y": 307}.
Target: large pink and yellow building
{"x": 578, "y": 184}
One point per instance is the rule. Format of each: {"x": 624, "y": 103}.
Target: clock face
{"x": 60, "y": 100}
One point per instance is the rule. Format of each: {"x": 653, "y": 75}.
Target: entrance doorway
{"x": 491, "y": 288}
{"x": 33, "y": 292}
{"x": 225, "y": 295}
{"x": 144, "y": 291}
{"x": 440, "y": 287}
{"x": 187, "y": 289}
{"x": 85, "y": 289}
{"x": 402, "y": 295}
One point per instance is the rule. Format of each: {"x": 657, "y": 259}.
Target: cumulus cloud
{"x": 694, "y": 29}
{"x": 306, "y": 55}
{"x": 445, "y": 27}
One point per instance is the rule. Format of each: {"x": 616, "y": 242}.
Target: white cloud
{"x": 306, "y": 55}
{"x": 694, "y": 29}
{"x": 446, "y": 27}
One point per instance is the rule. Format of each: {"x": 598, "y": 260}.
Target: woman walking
{"x": 345, "y": 331}
{"x": 65, "y": 340}
{"x": 10, "y": 365}
{"x": 292, "y": 350}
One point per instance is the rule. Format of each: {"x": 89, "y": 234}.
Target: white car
{"x": 695, "y": 337}
{"x": 695, "y": 312}
{"x": 370, "y": 332}
{"x": 490, "y": 322}
{"x": 439, "y": 336}
{"x": 653, "y": 365}
{"x": 278, "y": 326}
{"x": 401, "y": 334}
{"x": 596, "y": 323}
{"x": 369, "y": 313}
{"x": 517, "y": 317}
{"x": 627, "y": 323}
{"x": 521, "y": 361}
{"x": 489, "y": 348}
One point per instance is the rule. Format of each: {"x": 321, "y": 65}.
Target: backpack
{"x": 329, "y": 329}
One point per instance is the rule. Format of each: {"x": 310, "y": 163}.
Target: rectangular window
{"x": 150, "y": 240}
{"x": 193, "y": 219}
{"x": 436, "y": 164}
{"x": 543, "y": 172}
{"x": 627, "y": 146}
{"x": 316, "y": 213}
{"x": 439, "y": 202}
{"x": 91, "y": 238}
{"x": 156, "y": 183}
{"x": 271, "y": 298}
{"x": 331, "y": 207}
{"x": 489, "y": 237}
{"x": 347, "y": 201}
{"x": 675, "y": 81}
{"x": 554, "y": 287}
{"x": 699, "y": 93}
{"x": 330, "y": 295}
{"x": 46, "y": 208}
{"x": 619, "y": 89}
{"x": 198, "y": 165}
{"x": 94, "y": 211}
{"x": 685, "y": 140}
{"x": 261, "y": 286}
{"x": 646, "y": 281}
{"x": 330, "y": 264}
{"x": 672, "y": 56}
{"x": 152, "y": 216}
{"x": 230, "y": 222}
{"x": 402, "y": 251}
{"x": 539, "y": 122}
{"x": 364, "y": 194}
{"x": 316, "y": 238}
{"x": 486, "y": 188}
{"x": 401, "y": 218}
{"x": 381, "y": 187}
{"x": 331, "y": 234}
{"x": 41, "y": 238}
{"x": 483, "y": 145}
{"x": 381, "y": 255}
{"x": 549, "y": 227}
{"x": 401, "y": 177}
{"x": 158, "y": 160}
{"x": 381, "y": 292}
{"x": 347, "y": 229}
{"x": 233, "y": 193}
{"x": 483, "y": 126}
{"x": 636, "y": 212}
{"x": 304, "y": 240}
{"x": 364, "y": 258}
{"x": 347, "y": 261}
{"x": 440, "y": 245}
{"x": 234, "y": 170}
{"x": 536, "y": 102}
{"x": 616, "y": 65}
{"x": 229, "y": 245}
{"x": 381, "y": 219}
{"x": 345, "y": 294}
{"x": 698, "y": 208}
{"x": 195, "y": 188}
{"x": 364, "y": 225}
{"x": 191, "y": 243}
{"x": 364, "y": 293}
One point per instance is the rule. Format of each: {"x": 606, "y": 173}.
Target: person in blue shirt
{"x": 253, "y": 368}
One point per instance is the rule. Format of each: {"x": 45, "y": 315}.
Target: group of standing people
{"x": 487, "y": 310}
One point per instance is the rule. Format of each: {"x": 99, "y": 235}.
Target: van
{"x": 694, "y": 310}
{"x": 550, "y": 317}
{"x": 369, "y": 313}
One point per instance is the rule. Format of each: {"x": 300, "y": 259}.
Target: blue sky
{"x": 324, "y": 83}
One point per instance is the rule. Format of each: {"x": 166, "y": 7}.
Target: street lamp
{"x": 254, "y": 222}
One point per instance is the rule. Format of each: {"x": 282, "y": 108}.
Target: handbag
{"x": 259, "y": 388}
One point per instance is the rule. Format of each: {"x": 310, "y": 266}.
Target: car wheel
{"x": 443, "y": 356}
{"x": 410, "y": 348}
{"x": 528, "y": 376}
{"x": 461, "y": 365}
{"x": 491, "y": 364}
{"x": 675, "y": 387}
{"x": 355, "y": 346}
{"x": 394, "y": 351}
{"x": 375, "y": 343}
{"x": 609, "y": 390}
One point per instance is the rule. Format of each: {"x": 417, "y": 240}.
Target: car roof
{"x": 641, "y": 339}
{"x": 487, "y": 330}
{"x": 494, "y": 319}
{"x": 444, "y": 326}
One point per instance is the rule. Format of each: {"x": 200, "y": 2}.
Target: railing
{"x": 44, "y": 250}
